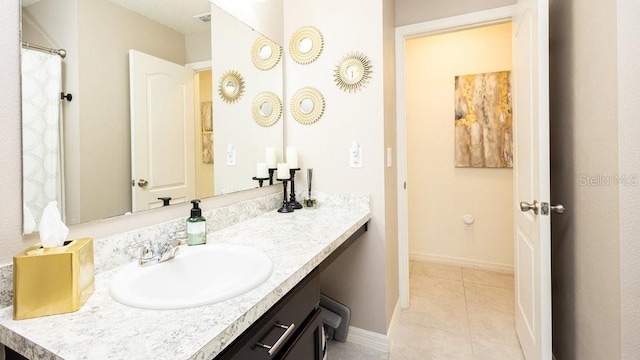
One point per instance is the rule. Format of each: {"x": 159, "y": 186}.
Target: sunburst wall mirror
{"x": 307, "y": 105}
{"x": 352, "y": 72}
{"x": 265, "y": 54}
{"x": 231, "y": 86}
{"x": 306, "y": 45}
{"x": 267, "y": 108}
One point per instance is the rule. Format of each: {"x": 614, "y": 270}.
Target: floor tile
{"x": 415, "y": 342}
{"x": 424, "y": 286}
{"x": 491, "y": 278}
{"x": 493, "y": 326}
{"x": 349, "y": 351}
{"x": 490, "y": 298}
{"x": 439, "y": 271}
{"x": 443, "y": 314}
{"x": 486, "y": 350}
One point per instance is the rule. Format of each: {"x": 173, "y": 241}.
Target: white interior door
{"x": 531, "y": 172}
{"x": 162, "y": 131}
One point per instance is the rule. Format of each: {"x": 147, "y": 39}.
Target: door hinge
{"x": 405, "y": 185}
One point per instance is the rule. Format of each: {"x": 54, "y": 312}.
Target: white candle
{"x": 283, "y": 172}
{"x": 271, "y": 157}
{"x": 262, "y": 172}
{"x": 292, "y": 157}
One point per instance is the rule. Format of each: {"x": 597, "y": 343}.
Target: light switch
{"x": 231, "y": 155}
{"x": 389, "y": 157}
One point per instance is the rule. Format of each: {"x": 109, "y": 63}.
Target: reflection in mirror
{"x": 266, "y": 109}
{"x": 306, "y": 106}
{"x": 265, "y": 52}
{"x": 305, "y": 45}
{"x": 97, "y": 173}
{"x": 230, "y": 87}
{"x": 352, "y": 72}
{"x": 233, "y": 122}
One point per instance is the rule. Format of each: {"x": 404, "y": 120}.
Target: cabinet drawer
{"x": 277, "y": 328}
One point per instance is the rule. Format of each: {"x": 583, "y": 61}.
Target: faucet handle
{"x": 177, "y": 238}
{"x": 145, "y": 250}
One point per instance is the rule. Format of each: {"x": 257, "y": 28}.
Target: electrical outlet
{"x": 231, "y": 155}
{"x": 355, "y": 155}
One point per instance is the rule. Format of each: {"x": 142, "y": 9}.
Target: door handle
{"x": 525, "y": 206}
{"x": 143, "y": 183}
{"x": 558, "y": 209}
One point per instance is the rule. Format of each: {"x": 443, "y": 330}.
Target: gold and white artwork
{"x": 483, "y": 120}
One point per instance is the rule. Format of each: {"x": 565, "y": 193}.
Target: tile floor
{"x": 455, "y": 313}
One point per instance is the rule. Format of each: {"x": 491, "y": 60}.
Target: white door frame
{"x": 467, "y": 21}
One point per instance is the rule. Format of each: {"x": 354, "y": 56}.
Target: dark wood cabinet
{"x": 291, "y": 329}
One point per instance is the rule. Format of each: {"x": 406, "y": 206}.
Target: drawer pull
{"x": 274, "y": 348}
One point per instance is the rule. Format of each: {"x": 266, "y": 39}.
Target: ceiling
{"x": 176, "y": 14}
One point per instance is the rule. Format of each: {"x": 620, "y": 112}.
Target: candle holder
{"x": 271, "y": 172}
{"x": 292, "y": 199}
{"x": 260, "y": 180}
{"x": 285, "y": 204}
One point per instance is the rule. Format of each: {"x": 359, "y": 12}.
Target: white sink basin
{"x": 198, "y": 275}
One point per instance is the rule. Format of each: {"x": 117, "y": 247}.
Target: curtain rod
{"x": 61, "y": 52}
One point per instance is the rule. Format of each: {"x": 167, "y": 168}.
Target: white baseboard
{"x": 472, "y": 263}
{"x": 376, "y": 340}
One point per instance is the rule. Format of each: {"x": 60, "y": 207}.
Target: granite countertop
{"x": 105, "y": 329}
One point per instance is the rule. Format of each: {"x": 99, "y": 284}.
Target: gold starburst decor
{"x": 352, "y": 72}
{"x": 265, "y": 54}
{"x": 231, "y": 86}
{"x": 267, "y": 109}
{"x": 307, "y": 105}
{"x": 306, "y": 45}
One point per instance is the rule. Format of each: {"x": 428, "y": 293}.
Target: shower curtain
{"x": 41, "y": 131}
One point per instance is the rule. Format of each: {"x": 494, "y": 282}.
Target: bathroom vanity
{"x": 281, "y": 314}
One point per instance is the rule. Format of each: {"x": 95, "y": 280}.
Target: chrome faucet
{"x": 167, "y": 251}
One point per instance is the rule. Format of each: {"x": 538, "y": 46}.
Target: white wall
{"x": 440, "y": 194}
{"x": 628, "y": 134}
{"x": 417, "y": 11}
{"x": 356, "y": 278}
{"x": 264, "y": 17}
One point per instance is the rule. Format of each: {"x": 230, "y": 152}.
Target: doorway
{"x": 461, "y": 214}
{"x": 404, "y": 34}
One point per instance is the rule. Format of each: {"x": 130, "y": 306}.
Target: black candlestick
{"x": 285, "y": 204}
{"x": 271, "y": 171}
{"x": 292, "y": 199}
{"x": 260, "y": 180}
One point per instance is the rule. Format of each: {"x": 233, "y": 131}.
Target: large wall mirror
{"x": 143, "y": 122}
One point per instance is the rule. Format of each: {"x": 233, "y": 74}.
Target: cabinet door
{"x": 307, "y": 345}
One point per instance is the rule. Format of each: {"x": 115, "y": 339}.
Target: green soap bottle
{"x": 196, "y": 226}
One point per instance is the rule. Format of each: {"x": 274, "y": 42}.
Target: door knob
{"x": 143, "y": 183}
{"x": 525, "y": 206}
{"x": 558, "y": 209}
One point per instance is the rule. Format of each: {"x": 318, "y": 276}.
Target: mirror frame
{"x": 270, "y": 62}
{"x": 234, "y": 77}
{"x": 317, "y": 44}
{"x": 276, "y": 105}
{"x": 307, "y": 118}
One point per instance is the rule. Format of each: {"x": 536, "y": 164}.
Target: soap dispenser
{"x": 196, "y": 226}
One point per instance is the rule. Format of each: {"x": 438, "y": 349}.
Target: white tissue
{"x": 53, "y": 232}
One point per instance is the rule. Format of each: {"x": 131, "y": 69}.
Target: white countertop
{"x": 105, "y": 329}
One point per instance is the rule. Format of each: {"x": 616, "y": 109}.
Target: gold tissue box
{"x": 53, "y": 280}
